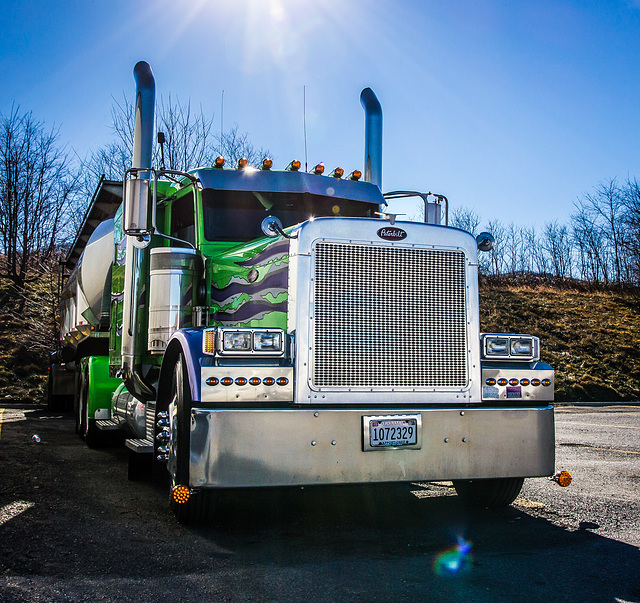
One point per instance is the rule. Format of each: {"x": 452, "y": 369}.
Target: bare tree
{"x": 466, "y": 219}
{"x": 37, "y": 188}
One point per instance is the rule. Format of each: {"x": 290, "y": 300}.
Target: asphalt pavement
{"x": 73, "y": 528}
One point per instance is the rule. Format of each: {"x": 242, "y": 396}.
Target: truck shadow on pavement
{"x": 89, "y": 530}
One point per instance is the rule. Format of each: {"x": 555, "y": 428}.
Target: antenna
{"x": 304, "y": 124}
{"x": 221, "y": 117}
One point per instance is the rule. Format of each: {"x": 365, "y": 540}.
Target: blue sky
{"x": 512, "y": 108}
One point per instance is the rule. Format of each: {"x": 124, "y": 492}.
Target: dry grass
{"x": 591, "y": 338}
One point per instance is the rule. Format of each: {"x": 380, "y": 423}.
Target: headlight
{"x": 496, "y": 346}
{"x": 236, "y": 341}
{"x": 522, "y": 346}
{"x": 267, "y": 341}
{"x": 515, "y": 347}
{"x": 250, "y": 341}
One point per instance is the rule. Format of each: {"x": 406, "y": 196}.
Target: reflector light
{"x": 502, "y": 381}
{"x": 209, "y": 342}
{"x": 294, "y": 166}
{"x": 355, "y": 175}
{"x": 180, "y": 494}
{"x": 337, "y": 173}
{"x": 535, "y": 382}
{"x": 513, "y": 382}
{"x": 243, "y": 162}
{"x": 282, "y": 381}
{"x": 546, "y": 382}
{"x": 524, "y": 382}
{"x": 241, "y": 381}
{"x": 268, "y": 381}
{"x": 226, "y": 381}
{"x": 319, "y": 169}
{"x": 219, "y": 162}
{"x": 255, "y": 381}
{"x": 267, "y": 164}
{"x": 562, "y": 478}
{"x": 491, "y": 381}
{"x": 212, "y": 381}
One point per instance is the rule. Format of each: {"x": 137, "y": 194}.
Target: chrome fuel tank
{"x": 173, "y": 275}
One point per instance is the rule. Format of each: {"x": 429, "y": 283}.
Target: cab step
{"x": 108, "y": 424}
{"x": 139, "y": 446}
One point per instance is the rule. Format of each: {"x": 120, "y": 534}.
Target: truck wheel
{"x": 90, "y": 432}
{"x": 199, "y": 507}
{"x": 498, "y": 492}
{"x": 79, "y": 405}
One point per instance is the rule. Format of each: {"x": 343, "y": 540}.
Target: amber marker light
{"x": 268, "y": 381}
{"x": 209, "y": 342}
{"x": 294, "y": 166}
{"x": 524, "y": 382}
{"x": 502, "y": 381}
{"x": 241, "y": 381}
{"x": 219, "y": 162}
{"x": 267, "y": 164}
{"x": 355, "y": 175}
{"x": 513, "y": 382}
{"x": 255, "y": 381}
{"x": 546, "y": 382}
{"x": 282, "y": 381}
{"x": 226, "y": 381}
{"x": 243, "y": 162}
{"x": 180, "y": 494}
{"x": 535, "y": 382}
{"x": 490, "y": 381}
{"x": 337, "y": 173}
{"x": 319, "y": 169}
{"x": 212, "y": 381}
{"x": 562, "y": 478}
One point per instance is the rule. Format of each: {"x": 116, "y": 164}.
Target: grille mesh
{"x": 388, "y": 317}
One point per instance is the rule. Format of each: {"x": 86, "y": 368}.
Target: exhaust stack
{"x": 372, "y": 137}
{"x": 143, "y": 128}
{"x": 136, "y": 223}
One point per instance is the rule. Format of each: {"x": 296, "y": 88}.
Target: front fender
{"x": 187, "y": 342}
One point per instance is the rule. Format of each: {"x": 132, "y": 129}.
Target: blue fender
{"x": 189, "y": 343}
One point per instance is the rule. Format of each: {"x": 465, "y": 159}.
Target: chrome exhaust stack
{"x": 137, "y": 225}
{"x": 372, "y": 137}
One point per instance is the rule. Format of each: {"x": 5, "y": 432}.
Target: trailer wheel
{"x": 498, "y": 492}
{"x": 199, "y": 507}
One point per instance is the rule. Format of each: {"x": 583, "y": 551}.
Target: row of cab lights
{"x": 294, "y": 166}
{"x": 282, "y": 381}
{"x": 525, "y": 382}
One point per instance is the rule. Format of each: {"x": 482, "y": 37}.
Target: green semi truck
{"x": 253, "y": 328}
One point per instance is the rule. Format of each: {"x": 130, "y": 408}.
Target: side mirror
{"x": 137, "y": 210}
{"x": 485, "y": 241}
{"x": 271, "y": 226}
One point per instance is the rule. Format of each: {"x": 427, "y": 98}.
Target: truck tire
{"x": 199, "y": 508}
{"x": 89, "y": 431}
{"x": 483, "y": 493}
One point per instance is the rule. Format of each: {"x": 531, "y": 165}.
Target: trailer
{"x": 257, "y": 328}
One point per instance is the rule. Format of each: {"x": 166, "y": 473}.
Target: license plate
{"x": 391, "y": 432}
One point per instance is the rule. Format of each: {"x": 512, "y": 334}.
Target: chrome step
{"x": 108, "y": 424}
{"x": 139, "y": 446}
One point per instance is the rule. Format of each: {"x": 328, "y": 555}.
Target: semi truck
{"x": 248, "y": 327}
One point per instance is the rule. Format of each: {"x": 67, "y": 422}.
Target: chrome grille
{"x": 388, "y": 317}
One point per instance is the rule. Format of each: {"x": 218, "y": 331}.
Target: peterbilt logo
{"x": 392, "y": 234}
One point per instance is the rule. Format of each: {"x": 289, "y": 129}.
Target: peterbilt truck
{"x": 255, "y": 328}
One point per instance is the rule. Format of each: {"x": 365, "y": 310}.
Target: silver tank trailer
{"x": 172, "y": 277}
{"x": 94, "y": 276}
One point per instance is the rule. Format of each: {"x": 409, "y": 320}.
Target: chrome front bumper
{"x": 233, "y": 448}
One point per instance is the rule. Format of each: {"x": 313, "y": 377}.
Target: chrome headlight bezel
{"x": 251, "y": 342}
{"x": 502, "y": 346}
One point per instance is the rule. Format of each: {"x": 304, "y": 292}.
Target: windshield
{"x": 237, "y": 215}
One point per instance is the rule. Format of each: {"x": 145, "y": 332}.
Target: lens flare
{"x": 454, "y": 561}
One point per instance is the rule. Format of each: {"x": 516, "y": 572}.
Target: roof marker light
{"x": 219, "y": 162}
{"x": 319, "y": 169}
{"x": 294, "y": 166}
{"x": 243, "y": 162}
{"x": 267, "y": 164}
{"x": 355, "y": 175}
{"x": 337, "y": 173}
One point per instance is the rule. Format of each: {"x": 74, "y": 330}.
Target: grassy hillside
{"x": 591, "y": 338}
